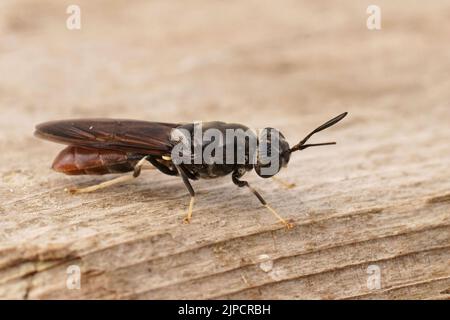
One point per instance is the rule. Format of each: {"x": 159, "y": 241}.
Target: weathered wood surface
{"x": 380, "y": 197}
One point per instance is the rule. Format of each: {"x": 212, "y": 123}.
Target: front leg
{"x": 285, "y": 184}
{"x": 240, "y": 183}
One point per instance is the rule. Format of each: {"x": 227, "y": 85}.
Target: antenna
{"x": 301, "y": 145}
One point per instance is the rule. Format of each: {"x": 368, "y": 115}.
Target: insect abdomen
{"x": 80, "y": 160}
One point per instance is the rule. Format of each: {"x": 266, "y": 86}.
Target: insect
{"x": 101, "y": 146}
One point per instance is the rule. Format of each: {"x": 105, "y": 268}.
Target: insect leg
{"x": 105, "y": 184}
{"x": 241, "y": 183}
{"x": 188, "y": 185}
{"x": 284, "y": 183}
{"x": 162, "y": 167}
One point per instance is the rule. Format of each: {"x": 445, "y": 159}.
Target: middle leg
{"x": 188, "y": 185}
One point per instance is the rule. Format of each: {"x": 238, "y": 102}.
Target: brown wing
{"x": 113, "y": 134}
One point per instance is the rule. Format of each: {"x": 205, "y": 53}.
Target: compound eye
{"x": 270, "y": 159}
{"x": 268, "y": 170}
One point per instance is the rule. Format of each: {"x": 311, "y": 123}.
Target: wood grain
{"x": 380, "y": 197}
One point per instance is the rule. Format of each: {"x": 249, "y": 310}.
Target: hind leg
{"x": 105, "y": 184}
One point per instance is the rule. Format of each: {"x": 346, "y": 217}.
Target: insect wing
{"x": 114, "y": 134}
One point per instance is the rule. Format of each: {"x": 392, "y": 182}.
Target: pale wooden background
{"x": 380, "y": 197}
